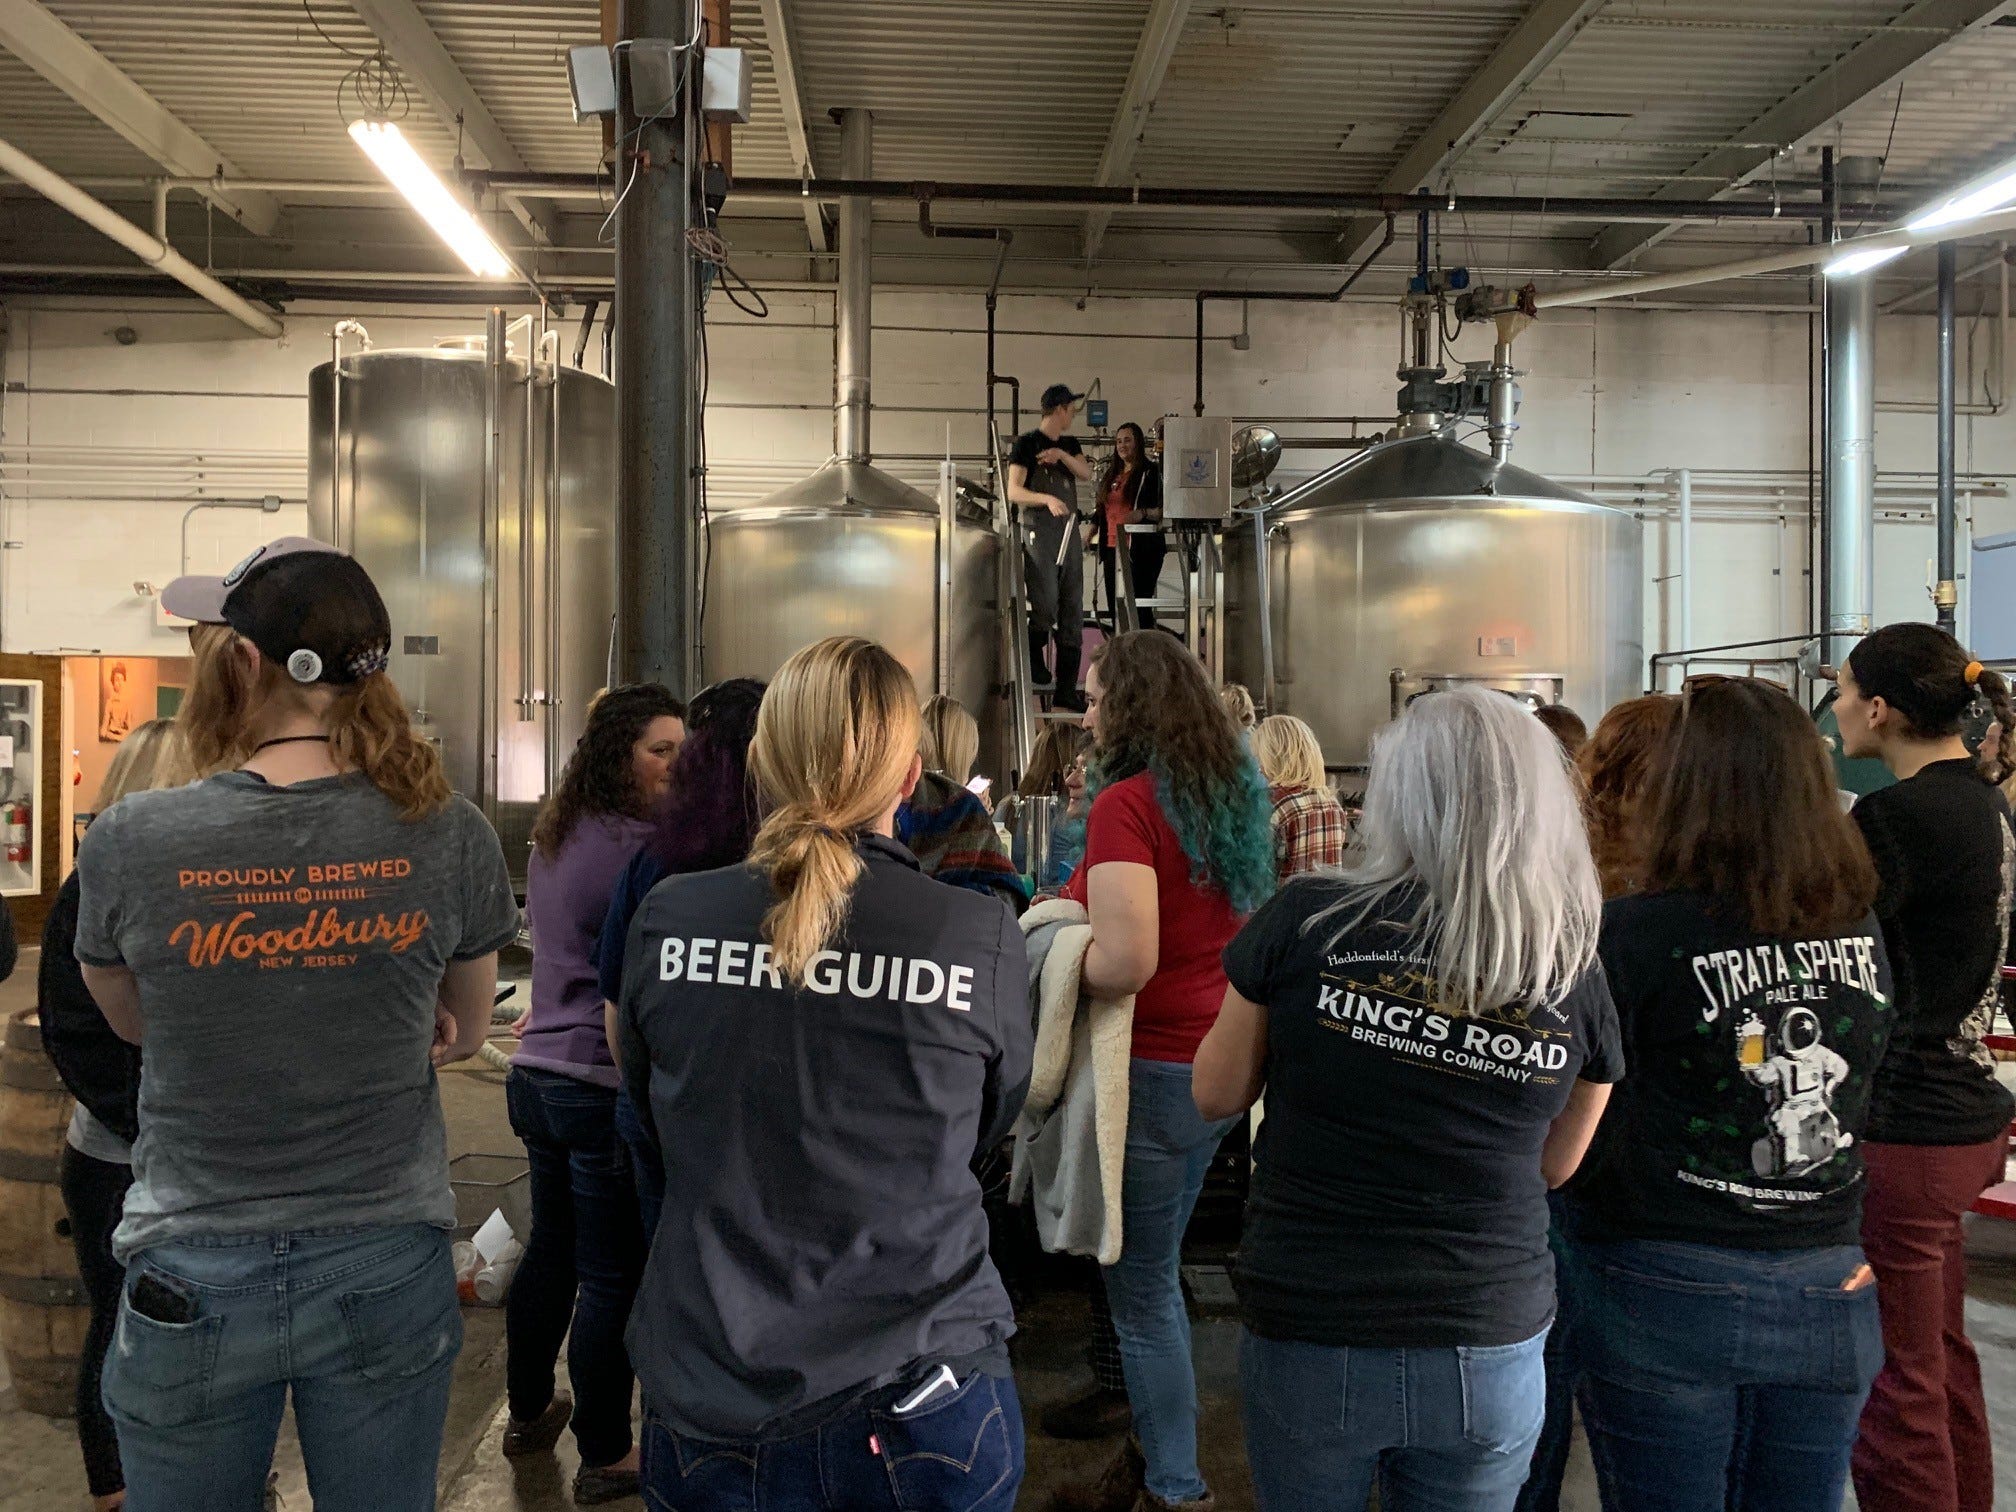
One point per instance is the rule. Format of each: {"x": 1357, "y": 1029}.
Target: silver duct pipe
{"x": 1851, "y": 472}
{"x": 856, "y": 293}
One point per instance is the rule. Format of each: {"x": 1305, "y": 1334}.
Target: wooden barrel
{"x": 43, "y": 1316}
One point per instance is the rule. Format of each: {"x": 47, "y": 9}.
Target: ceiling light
{"x": 1848, "y": 264}
{"x": 1977, "y": 198}
{"x": 386, "y": 145}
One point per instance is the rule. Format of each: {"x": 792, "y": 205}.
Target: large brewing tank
{"x": 1421, "y": 563}
{"x": 850, "y": 550}
{"x": 501, "y": 625}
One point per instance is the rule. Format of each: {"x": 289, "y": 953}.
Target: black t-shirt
{"x": 1751, "y": 1062}
{"x": 1947, "y": 859}
{"x": 1397, "y": 1198}
{"x": 1053, "y": 478}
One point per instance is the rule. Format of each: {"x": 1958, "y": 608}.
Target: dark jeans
{"x": 1056, "y": 596}
{"x": 582, "y": 1262}
{"x": 959, "y": 1453}
{"x": 1542, "y": 1491}
{"x": 1145, "y": 554}
{"x": 647, "y": 1163}
{"x": 1719, "y": 1378}
{"x": 94, "y": 1195}
{"x": 1924, "y": 1442}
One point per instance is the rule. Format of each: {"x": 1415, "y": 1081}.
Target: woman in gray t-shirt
{"x": 301, "y": 938}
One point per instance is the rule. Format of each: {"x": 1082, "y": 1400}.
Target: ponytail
{"x": 1998, "y": 745}
{"x": 835, "y": 739}
{"x": 370, "y": 730}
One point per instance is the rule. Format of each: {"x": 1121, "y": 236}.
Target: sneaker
{"x": 592, "y": 1487}
{"x": 1072, "y": 700}
{"x": 543, "y": 1432}
{"x": 1098, "y": 1413}
{"x": 1150, "y": 1502}
{"x": 1119, "y": 1487}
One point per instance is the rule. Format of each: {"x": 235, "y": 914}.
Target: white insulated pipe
{"x": 1851, "y": 466}
{"x": 2000, "y": 223}
{"x": 150, "y": 249}
{"x": 854, "y": 315}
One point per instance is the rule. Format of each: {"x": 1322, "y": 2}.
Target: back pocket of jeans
{"x": 951, "y": 1455}
{"x": 1844, "y": 1342}
{"x": 159, "y": 1374}
{"x": 1654, "y": 1332}
{"x": 406, "y": 1327}
{"x": 1504, "y": 1395}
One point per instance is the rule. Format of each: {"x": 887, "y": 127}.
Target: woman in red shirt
{"x": 1178, "y": 851}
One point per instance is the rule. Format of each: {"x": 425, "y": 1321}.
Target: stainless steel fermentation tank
{"x": 853, "y": 551}
{"x": 476, "y": 483}
{"x": 1419, "y": 563}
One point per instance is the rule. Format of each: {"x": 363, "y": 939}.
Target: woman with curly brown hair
{"x": 586, "y": 1248}
{"x": 1179, "y": 849}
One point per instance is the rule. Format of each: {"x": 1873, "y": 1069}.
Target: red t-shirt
{"x": 1177, "y": 1008}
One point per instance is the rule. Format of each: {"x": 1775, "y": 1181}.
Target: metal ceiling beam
{"x": 1535, "y": 41}
{"x": 42, "y": 41}
{"x": 1873, "y": 65}
{"x": 1160, "y": 35}
{"x": 791, "y": 100}
{"x": 439, "y": 81}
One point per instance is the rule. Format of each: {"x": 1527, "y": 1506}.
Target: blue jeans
{"x": 1721, "y": 1378}
{"x": 1169, "y": 1148}
{"x": 360, "y": 1324}
{"x": 959, "y": 1453}
{"x": 647, "y": 1163}
{"x": 1440, "y": 1430}
{"x": 582, "y": 1261}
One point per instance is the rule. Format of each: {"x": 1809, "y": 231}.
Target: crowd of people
{"x": 1622, "y": 1072}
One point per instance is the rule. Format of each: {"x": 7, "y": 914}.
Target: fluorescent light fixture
{"x": 386, "y": 145}
{"x": 1848, "y": 264}
{"x": 1978, "y": 198}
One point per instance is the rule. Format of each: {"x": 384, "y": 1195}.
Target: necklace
{"x": 288, "y": 740}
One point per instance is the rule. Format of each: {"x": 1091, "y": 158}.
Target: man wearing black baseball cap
{"x": 1044, "y": 471}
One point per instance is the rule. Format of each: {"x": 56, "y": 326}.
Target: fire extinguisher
{"x": 17, "y": 831}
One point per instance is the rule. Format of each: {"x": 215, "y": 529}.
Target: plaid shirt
{"x": 1310, "y": 830}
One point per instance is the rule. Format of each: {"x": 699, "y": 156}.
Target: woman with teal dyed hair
{"x": 1179, "y": 850}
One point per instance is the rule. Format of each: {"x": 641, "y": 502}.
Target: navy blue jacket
{"x": 822, "y": 1234}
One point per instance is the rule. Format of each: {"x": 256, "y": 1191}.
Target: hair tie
{"x": 1972, "y": 675}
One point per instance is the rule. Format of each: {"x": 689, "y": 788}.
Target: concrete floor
{"x": 40, "y": 1470}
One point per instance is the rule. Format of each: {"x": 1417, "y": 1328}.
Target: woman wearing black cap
{"x": 301, "y": 938}
{"x": 1937, "y": 1134}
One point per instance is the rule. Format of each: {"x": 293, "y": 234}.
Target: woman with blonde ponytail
{"x": 824, "y": 1039}
{"x": 301, "y": 937}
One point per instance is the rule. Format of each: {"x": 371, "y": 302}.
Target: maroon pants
{"x": 1924, "y": 1438}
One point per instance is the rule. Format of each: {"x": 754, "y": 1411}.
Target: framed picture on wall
{"x": 127, "y": 689}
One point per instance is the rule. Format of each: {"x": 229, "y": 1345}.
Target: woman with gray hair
{"x": 1446, "y": 979}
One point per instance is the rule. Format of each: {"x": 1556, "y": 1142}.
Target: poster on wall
{"x": 127, "y": 689}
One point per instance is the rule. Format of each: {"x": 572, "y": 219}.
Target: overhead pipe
{"x": 1946, "y": 591}
{"x": 1282, "y": 296}
{"x": 150, "y": 249}
{"x": 753, "y": 190}
{"x": 853, "y": 321}
{"x": 2000, "y": 223}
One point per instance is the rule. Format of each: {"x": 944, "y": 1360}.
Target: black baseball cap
{"x": 307, "y": 606}
{"x": 1059, "y": 393}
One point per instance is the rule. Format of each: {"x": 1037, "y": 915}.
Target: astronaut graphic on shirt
{"x": 1799, "y": 1078}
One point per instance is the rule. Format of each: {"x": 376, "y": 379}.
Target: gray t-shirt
{"x": 289, "y": 944}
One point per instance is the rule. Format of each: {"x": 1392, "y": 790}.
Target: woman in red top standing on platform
{"x": 1178, "y": 851}
{"x": 1130, "y": 493}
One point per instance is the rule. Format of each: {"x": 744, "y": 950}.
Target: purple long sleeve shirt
{"x": 567, "y": 899}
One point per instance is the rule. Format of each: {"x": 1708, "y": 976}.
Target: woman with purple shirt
{"x": 586, "y": 1250}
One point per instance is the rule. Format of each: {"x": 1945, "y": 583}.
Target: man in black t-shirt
{"x": 1044, "y": 471}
